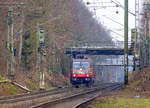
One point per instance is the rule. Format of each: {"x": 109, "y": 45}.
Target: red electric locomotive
{"x": 82, "y": 72}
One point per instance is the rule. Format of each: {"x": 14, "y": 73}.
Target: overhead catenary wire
{"x": 116, "y": 33}
{"x": 112, "y": 20}
{"x": 119, "y": 4}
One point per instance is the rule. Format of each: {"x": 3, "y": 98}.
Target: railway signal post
{"x": 11, "y": 51}
{"x": 41, "y": 52}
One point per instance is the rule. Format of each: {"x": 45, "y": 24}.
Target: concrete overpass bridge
{"x": 97, "y": 48}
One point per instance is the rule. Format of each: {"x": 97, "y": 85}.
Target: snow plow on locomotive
{"x": 82, "y": 72}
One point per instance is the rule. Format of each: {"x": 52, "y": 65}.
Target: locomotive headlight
{"x": 87, "y": 75}
{"x": 74, "y": 75}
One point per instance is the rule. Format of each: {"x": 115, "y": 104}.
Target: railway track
{"x": 28, "y": 99}
{"x": 84, "y": 102}
{"x": 75, "y": 100}
{"x": 51, "y": 97}
{"x": 26, "y": 96}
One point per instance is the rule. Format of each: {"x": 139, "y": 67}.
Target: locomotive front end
{"x": 82, "y": 72}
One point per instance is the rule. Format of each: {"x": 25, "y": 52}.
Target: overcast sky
{"x": 110, "y": 19}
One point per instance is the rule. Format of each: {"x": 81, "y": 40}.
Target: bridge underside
{"x": 78, "y": 51}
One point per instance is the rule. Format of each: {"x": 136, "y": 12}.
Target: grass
{"x": 2, "y": 77}
{"x": 121, "y": 103}
{"x": 32, "y": 86}
{"x": 11, "y": 89}
{"x": 133, "y": 84}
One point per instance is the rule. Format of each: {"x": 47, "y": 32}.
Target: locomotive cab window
{"x": 83, "y": 65}
{"x": 76, "y": 64}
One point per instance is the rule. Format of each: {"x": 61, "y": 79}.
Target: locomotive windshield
{"x": 83, "y": 65}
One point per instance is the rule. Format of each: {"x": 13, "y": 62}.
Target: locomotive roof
{"x": 83, "y": 60}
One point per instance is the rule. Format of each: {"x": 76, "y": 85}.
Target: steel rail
{"x": 69, "y": 97}
{"x": 27, "y": 96}
{"x": 94, "y": 97}
{"x": 35, "y": 94}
